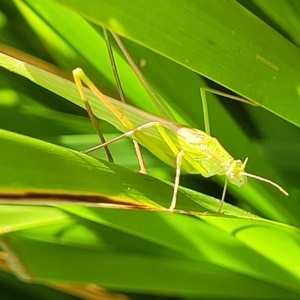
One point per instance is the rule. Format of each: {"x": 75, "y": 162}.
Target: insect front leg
{"x": 203, "y": 91}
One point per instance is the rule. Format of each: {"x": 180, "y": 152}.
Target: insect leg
{"x": 120, "y": 137}
{"x": 177, "y": 178}
{"x": 203, "y": 91}
{"x": 92, "y": 117}
{"x": 122, "y": 97}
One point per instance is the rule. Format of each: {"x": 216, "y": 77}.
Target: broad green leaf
{"x": 114, "y": 241}
{"x": 218, "y": 39}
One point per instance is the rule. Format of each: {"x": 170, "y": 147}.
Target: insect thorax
{"x": 210, "y": 154}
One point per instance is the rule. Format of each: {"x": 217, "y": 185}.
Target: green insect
{"x": 187, "y": 149}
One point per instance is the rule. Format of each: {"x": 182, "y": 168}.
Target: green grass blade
{"x": 211, "y": 38}
{"x": 171, "y": 245}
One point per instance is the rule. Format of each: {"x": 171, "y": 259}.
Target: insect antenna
{"x": 266, "y": 180}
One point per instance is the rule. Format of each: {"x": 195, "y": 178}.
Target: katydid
{"x": 188, "y": 149}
